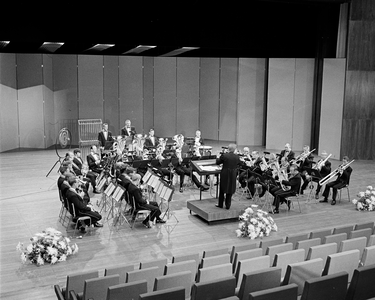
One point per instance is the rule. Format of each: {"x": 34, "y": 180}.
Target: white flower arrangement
{"x": 255, "y": 223}
{"x": 49, "y": 246}
{"x": 366, "y": 199}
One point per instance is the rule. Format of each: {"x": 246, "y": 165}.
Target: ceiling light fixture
{"x": 3, "y": 44}
{"x": 51, "y": 47}
{"x": 179, "y": 51}
{"x": 100, "y": 47}
{"x": 139, "y": 49}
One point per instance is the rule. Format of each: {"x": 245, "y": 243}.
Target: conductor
{"x": 228, "y": 175}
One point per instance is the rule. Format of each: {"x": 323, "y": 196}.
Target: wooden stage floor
{"x": 29, "y": 204}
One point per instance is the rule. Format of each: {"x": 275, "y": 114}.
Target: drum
{"x": 205, "y": 150}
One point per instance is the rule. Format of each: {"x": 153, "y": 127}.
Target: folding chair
{"x": 76, "y": 219}
{"x": 137, "y": 213}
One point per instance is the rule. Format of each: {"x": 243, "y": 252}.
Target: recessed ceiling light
{"x": 3, "y": 44}
{"x": 51, "y": 46}
{"x": 139, "y": 49}
{"x": 100, "y": 47}
{"x": 179, "y": 51}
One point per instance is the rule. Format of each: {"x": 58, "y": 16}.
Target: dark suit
{"x": 280, "y": 195}
{"x": 341, "y": 181}
{"x": 289, "y": 156}
{"x": 81, "y": 208}
{"x": 324, "y": 171}
{"x": 148, "y": 142}
{"x": 228, "y": 175}
{"x": 92, "y": 165}
{"x": 125, "y": 133}
{"x": 90, "y": 175}
{"x": 102, "y": 140}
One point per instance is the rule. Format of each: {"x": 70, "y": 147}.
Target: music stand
{"x": 267, "y": 204}
{"x": 154, "y": 163}
{"x": 165, "y": 163}
{"x": 141, "y": 164}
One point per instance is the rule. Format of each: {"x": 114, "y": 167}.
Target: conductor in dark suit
{"x": 128, "y": 130}
{"x": 228, "y": 174}
{"x": 104, "y": 136}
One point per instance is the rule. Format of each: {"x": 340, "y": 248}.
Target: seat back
{"x": 343, "y": 229}
{"x": 343, "y": 261}
{"x": 366, "y": 232}
{"x": 320, "y": 233}
{"x": 364, "y": 225}
{"x": 327, "y": 287}
{"x": 215, "y": 260}
{"x": 149, "y": 274}
{"x": 185, "y": 257}
{"x": 177, "y": 293}
{"x": 321, "y": 251}
{"x": 214, "y": 252}
{"x": 368, "y": 256}
{"x": 298, "y": 273}
{"x": 214, "y": 272}
{"x": 264, "y": 244}
{"x": 76, "y": 282}
{"x": 242, "y": 255}
{"x": 154, "y": 263}
{"x": 335, "y": 238}
{"x": 294, "y": 238}
{"x": 189, "y": 265}
{"x": 258, "y": 281}
{"x": 362, "y": 285}
{"x": 283, "y": 259}
{"x": 239, "y": 248}
{"x": 127, "y": 291}
{"x": 214, "y": 289}
{"x": 251, "y": 265}
{"x": 174, "y": 280}
{"x": 371, "y": 241}
{"x": 307, "y": 244}
{"x": 356, "y": 243}
{"x": 273, "y": 250}
{"x": 96, "y": 288}
{"x": 121, "y": 271}
{"x": 286, "y": 292}
{"x": 58, "y": 292}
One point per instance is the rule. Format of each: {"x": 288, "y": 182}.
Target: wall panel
{"x": 165, "y": 96}
{"x": 187, "y": 95}
{"x": 90, "y": 86}
{"x": 8, "y": 102}
{"x": 209, "y": 89}
{"x": 332, "y": 106}
{"x": 228, "y": 99}
{"x": 110, "y": 91}
{"x": 148, "y": 93}
{"x": 280, "y": 103}
{"x": 49, "y": 116}
{"x": 250, "y": 109}
{"x": 131, "y": 91}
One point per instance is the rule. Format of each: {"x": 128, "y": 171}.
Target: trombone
{"x": 340, "y": 169}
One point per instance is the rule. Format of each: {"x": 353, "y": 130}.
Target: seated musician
{"x": 165, "y": 172}
{"x": 151, "y": 140}
{"x": 294, "y": 182}
{"x": 305, "y": 162}
{"x": 324, "y": 167}
{"x": 140, "y": 202}
{"x": 245, "y": 159}
{"x": 105, "y": 136}
{"x": 62, "y": 181}
{"x": 82, "y": 209}
{"x": 128, "y": 130}
{"x": 286, "y": 155}
{"x": 93, "y": 160}
{"x": 80, "y": 168}
{"x": 256, "y": 174}
{"x": 343, "y": 176}
{"x": 198, "y": 140}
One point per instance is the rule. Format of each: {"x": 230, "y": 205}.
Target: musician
{"x": 62, "y": 181}
{"x": 294, "y": 182}
{"x": 104, "y": 136}
{"x": 128, "y": 130}
{"x": 93, "y": 160}
{"x": 244, "y": 167}
{"x": 286, "y": 155}
{"x": 198, "y": 140}
{"x": 256, "y": 173}
{"x": 228, "y": 174}
{"x": 324, "y": 167}
{"x": 151, "y": 141}
{"x": 305, "y": 162}
{"x": 343, "y": 176}
{"x": 140, "y": 203}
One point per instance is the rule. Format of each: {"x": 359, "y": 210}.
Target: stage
{"x": 207, "y": 210}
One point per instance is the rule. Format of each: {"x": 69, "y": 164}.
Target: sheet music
{"x": 164, "y": 189}
{"x": 210, "y": 168}
{"x": 118, "y": 193}
{"x": 109, "y": 190}
{"x": 147, "y": 176}
{"x": 101, "y": 183}
{"x": 158, "y": 187}
{"x": 168, "y": 193}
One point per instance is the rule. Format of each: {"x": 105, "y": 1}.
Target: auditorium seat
{"x": 356, "y": 243}
{"x": 264, "y": 244}
{"x": 343, "y": 229}
{"x": 189, "y": 265}
{"x": 214, "y": 272}
{"x": 286, "y": 292}
{"x": 258, "y": 280}
{"x": 273, "y": 250}
{"x": 364, "y": 225}
{"x": 185, "y": 257}
{"x": 174, "y": 280}
{"x": 238, "y": 248}
{"x": 331, "y": 287}
{"x": 149, "y": 274}
{"x": 177, "y": 293}
{"x": 335, "y": 238}
{"x": 298, "y": 273}
{"x": 362, "y": 284}
{"x": 320, "y": 233}
{"x": 368, "y": 256}
{"x": 294, "y": 238}
{"x": 160, "y": 263}
{"x": 307, "y": 244}
{"x": 214, "y": 252}
{"x": 366, "y": 232}
{"x": 251, "y": 265}
{"x": 321, "y": 251}
{"x": 127, "y": 291}
{"x": 371, "y": 241}
{"x": 96, "y": 288}
{"x": 344, "y": 261}
{"x": 216, "y": 289}
{"x": 215, "y": 260}
{"x": 121, "y": 271}
{"x": 283, "y": 259}
{"x": 242, "y": 255}
{"x": 76, "y": 282}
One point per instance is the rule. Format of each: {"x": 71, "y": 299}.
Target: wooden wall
{"x": 358, "y": 126}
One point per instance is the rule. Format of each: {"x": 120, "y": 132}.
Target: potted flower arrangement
{"x": 255, "y": 223}
{"x": 49, "y": 246}
{"x": 366, "y": 199}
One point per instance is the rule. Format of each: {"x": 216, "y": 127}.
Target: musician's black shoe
{"x": 181, "y": 189}
{"x": 146, "y": 224}
{"x": 218, "y": 206}
{"x": 82, "y": 229}
{"x": 98, "y": 224}
{"x": 324, "y": 200}
{"x": 288, "y": 203}
{"x": 160, "y": 221}
{"x": 204, "y": 188}
{"x": 333, "y": 202}
{"x": 275, "y": 211}
{"x": 316, "y": 196}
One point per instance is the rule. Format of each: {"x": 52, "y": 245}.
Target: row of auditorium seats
{"x": 239, "y": 271}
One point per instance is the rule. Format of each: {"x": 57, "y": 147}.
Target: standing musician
{"x": 228, "y": 175}
{"x": 324, "y": 167}
{"x": 343, "y": 176}
{"x": 151, "y": 141}
{"x": 286, "y": 155}
{"x": 128, "y": 130}
{"x": 104, "y": 137}
{"x": 294, "y": 182}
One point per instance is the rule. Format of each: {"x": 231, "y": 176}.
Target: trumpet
{"x": 340, "y": 169}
